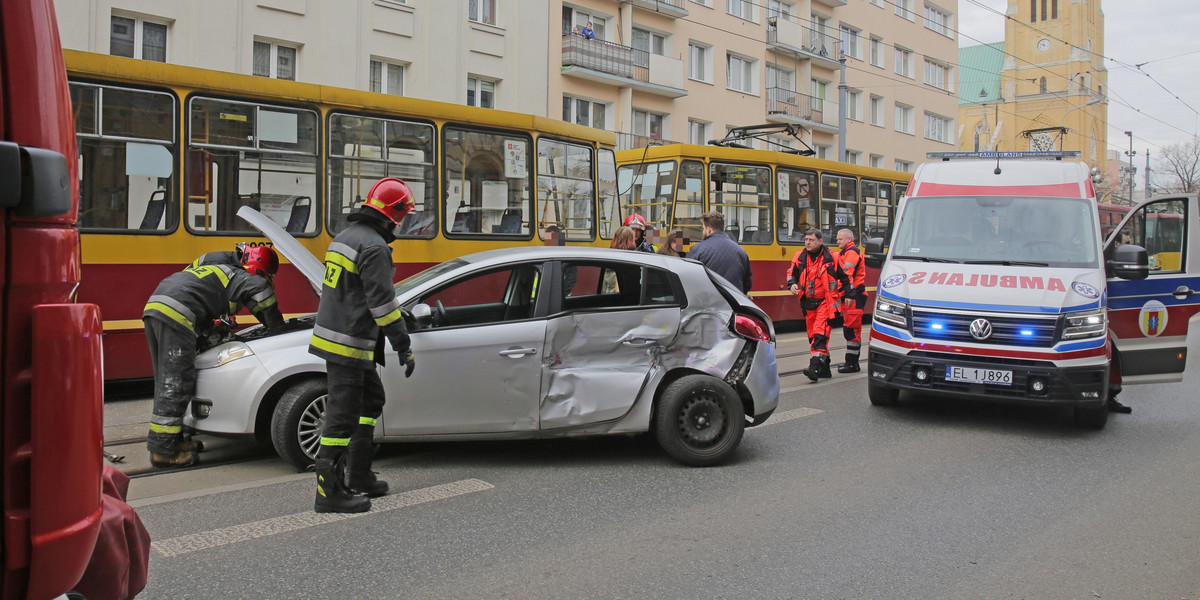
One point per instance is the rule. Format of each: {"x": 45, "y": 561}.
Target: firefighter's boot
{"x": 851, "y": 364}
{"x": 191, "y": 445}
{"x": 359, "y": 476}
{"x": 181, "y": 458}
{"x": 332, "y": 495}
{"x": 813, "y": 372}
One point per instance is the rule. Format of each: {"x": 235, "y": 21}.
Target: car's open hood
{"x": 308, "y": 265}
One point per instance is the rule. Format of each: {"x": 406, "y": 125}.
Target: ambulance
{"x": 998, "y": 284}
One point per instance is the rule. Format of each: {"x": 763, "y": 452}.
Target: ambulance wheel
{"x": 298, "y": 420}
{"x": 1091, "y": 417}
{"x": 882, "y": 396}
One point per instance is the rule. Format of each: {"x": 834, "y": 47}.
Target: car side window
{"x": 495, "y": 296}
{"x": 589, "y": 285}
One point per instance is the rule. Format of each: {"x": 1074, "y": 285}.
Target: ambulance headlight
{"x": 891, "y": 312}
{"x": 223, "y": 355}
{"x": 1085, "y": 324}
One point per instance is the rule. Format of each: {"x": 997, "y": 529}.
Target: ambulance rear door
{"x": 1152, "y": 319}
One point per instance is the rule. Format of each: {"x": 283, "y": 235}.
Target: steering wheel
{"x": 442, "y": 317}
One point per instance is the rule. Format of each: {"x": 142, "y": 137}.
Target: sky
{"x": 1165, "y": 38}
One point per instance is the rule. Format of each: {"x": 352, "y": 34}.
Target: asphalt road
{"x": 832, "y": 498}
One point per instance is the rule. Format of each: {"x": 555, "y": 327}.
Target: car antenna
{"x": 997, "y": 171}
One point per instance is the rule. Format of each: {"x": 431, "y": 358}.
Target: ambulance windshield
{"x": 1052, "y": 232}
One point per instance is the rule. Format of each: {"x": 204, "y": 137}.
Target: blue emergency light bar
{"x": 1055, "y": 154}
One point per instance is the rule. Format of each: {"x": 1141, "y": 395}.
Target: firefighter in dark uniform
{"x": 853, "y": 300}
{"x": 358, "y": 310}
{"x": 182, "y": 308}
{"x": 222, "y": 257}
{"x": 815, "y": 278}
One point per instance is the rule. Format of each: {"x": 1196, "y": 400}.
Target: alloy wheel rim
{"x": 308, "y": 430}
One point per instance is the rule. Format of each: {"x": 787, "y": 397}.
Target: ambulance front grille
{"x": 1026, "y": 331}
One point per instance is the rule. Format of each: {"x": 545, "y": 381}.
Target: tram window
{"x": 689, "y": 201}
{"x": 565, "y": 192}
{"x": 127, "y": 149}
{"x": 606, "y": 179}
{"x": 647, "y": 189}
{"x": 247, "y": 154}
{"x": 797, "y": 204}
{"x": 743, "y": 194}
{"x": 839, "y": 205}
{"x": 487, "y": 182}
{"x": 877, "y": 211}
{"x": 363, "y": 150}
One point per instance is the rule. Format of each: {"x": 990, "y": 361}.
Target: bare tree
{"x": 1179, "y": 168}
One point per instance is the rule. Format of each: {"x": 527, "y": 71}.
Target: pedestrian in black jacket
{"x": 721, "y": 254}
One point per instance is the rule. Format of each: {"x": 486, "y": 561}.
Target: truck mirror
{"x": 1128, "y": 262}
{"x": 875, "y": 253}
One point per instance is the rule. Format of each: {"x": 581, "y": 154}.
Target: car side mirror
{"x": 1128, "y": 262}
{"x": 875, "y": 253}
{"x": 422, "y": 316}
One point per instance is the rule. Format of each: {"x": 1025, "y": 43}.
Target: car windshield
{"x": 1025, "y": 231}
{"x": 430, "y": 273}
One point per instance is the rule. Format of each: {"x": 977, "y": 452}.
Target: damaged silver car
{"x": 529, "y": 342}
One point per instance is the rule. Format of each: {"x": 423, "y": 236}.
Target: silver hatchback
{"x": 529, "y": 342}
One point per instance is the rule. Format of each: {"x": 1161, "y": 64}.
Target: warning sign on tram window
{"x": 783, "y": 187}
{"x": 802, "y": 187}
{"x": 514, "y": 159}
{"x": 840, "y": 220}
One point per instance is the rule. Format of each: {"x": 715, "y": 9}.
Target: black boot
{"x": 851, "y": 365}
{"x": 824, "y": 372}
{"x": 182, "y": 458}
{"x": 1117, "y": 407}
{"x": 359, "y": 476}
{"x": 813, "y": 372}
{"x": 332, "y": 495}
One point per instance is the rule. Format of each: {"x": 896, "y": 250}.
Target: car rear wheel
{"x": 699, "y": 420}
{"x": 882, "y": 396}
{"x": 1090, "y": 417}
{"x": 298, "y": 420}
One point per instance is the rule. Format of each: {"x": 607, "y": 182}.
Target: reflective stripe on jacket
{"x": 192, "y": 298}
{"x": 358, "y": 300}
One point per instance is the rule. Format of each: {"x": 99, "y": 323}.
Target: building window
{"x": 853, "y": 157}
{"x": 877, "y": 110}
{"x": 575, "y": 20}
{"x": 698, "y": 131}
{"x": 1042, "y": 85}
{"x": 878, "y": 3}
{"x": 739, "y": 74}
{"x": 582, "y": 111}
{"x": 781, "y": 79}
{"x": 854, "y": 105}
{"x": 819, "y": 89}
{"x": 481, "y": 92}
{"x": 937, "y": 21}
{"x": 904, "y": 166}
{"x": 777, "y": 8}
{"x": 274, "y": 60}
{"x": 645, "y": 43}
{"x": 877, "y": 51}
{"x": 742, "y": 9}
{"x": 648, "y": 124}
{"x": 904, "y": 9}
{"x": 876, "y": 161}
{"x": 387, "y": 78}
{"x": 699, "y": 63}
{"x": 823, "y": 150}
{"x": 903, "y": 61}
{"x": 850, "y": 42}
{"x": 938, "y": 127}
{"x": 482, "y": 11}
{"x": 904, "y": 118}
{"x": 138, "y": 38}
{"x": 937, "y": 75}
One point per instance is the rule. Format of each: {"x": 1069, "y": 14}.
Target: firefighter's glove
{"x": 410, "y": 362}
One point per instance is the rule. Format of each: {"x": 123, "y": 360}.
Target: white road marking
{"x": 205, "y": 540}
{"x": 788, "y": 415}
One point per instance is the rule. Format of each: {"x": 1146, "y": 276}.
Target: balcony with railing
{"x": 624, "y": 66}
{"x": 666, "y": 8}
{"x": 785, "y": 35}
{"x": 789, "y": 106}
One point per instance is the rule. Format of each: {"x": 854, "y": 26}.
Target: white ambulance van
{"x": 997, "y": 286}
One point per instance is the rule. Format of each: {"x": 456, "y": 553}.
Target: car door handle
{"x": 1182, "y": 292}
{"x": 638, "y": 342}
{"x": 517, "y": 352}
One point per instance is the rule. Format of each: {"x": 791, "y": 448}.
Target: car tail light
{"x": 751, "y": 328}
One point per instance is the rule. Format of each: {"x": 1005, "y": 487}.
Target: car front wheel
{"x": 699, "y": 420}
{"x": 298, "y": 420}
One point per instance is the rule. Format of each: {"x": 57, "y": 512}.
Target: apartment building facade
{"x": 668, "y": 70}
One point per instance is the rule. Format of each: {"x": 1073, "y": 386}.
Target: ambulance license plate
{"x": 976, "y": 375}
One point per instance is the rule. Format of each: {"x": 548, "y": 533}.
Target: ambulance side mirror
{"x": 874, "y": 253}
{"x": 1128, "y": 262}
